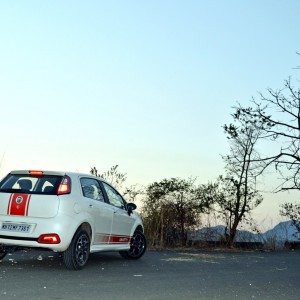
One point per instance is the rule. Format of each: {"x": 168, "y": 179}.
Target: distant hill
{"x": 284, "y": 231}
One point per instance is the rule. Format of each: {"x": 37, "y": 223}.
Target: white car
{"x": 67, "y": 212}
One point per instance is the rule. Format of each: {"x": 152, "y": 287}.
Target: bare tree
{"x": 278, "y": 115}
{"x": 133, "y": 191}
{"x": 238, "y": 187}
{"x": 117, "y": 179}
{"x": 298, "y": 67}
{"x": 112, "y": 176}
{"x": 292, "y": 211}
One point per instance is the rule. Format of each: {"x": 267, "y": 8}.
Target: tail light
{"x": 49, "y": 238}
{"x": 65, "y": 186}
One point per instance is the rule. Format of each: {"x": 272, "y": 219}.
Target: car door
{"x": 101, "y": 212}
{"x": 122, "y": 223}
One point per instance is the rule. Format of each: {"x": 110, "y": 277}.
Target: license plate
{"x": 15, "y": 227}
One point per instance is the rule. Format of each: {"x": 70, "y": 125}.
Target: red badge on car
{"x": 18, "y": 204}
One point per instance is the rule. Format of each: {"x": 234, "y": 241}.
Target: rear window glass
{"x": 28, "y": 184}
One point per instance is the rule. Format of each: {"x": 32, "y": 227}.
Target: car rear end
{"x": 29, "y": 209}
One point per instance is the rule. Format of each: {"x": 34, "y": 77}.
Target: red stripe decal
{"x": 102, "y": 238}
{"x": 119, "y": 239}
{"x": 18, "y": 204}
{"x": 9, "y": 204}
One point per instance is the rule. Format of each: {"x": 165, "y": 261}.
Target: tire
{"x": 77, "y": 254}
{"x": 138, "y": 246}
{"x": 2, "y": 252}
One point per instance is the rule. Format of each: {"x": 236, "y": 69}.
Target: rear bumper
{"x": 64, "y": 226}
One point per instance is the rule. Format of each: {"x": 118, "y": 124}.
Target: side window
{"x": 91, "y": 189}
{"x": 113, "y": 196}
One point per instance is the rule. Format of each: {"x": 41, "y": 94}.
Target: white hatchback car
{"x": 67, "y": 212}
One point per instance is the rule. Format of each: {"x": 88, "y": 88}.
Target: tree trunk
{"x": 232, "y": 232}
{"x": 182, "y": 232}
{"x": 162, "y": 229}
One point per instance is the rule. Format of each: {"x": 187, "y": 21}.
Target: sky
{"x": 146, "y": 85}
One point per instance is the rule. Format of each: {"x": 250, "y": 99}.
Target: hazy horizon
{"x": 146, "y": 86}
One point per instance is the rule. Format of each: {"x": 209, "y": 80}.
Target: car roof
{"x": 58, "y": 173}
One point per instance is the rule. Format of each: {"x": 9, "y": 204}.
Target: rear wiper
{"x": 9, "y": 190}
{"x": 20, "y": 191}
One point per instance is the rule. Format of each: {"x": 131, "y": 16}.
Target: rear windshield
{"x": 27, "y": 184}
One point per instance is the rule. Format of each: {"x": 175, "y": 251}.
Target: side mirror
{"x": 130, "y": 208}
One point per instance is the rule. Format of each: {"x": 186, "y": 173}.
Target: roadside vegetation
{"x": 174, "y": 206}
